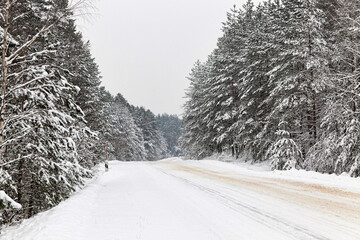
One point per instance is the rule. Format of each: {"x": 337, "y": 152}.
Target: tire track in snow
{"x": 297, "y": 232}
{"x": 226, "y": 196}
{"x": 328, "y": 199}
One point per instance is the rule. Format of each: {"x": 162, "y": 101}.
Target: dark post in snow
{"x": 106, "y": 160}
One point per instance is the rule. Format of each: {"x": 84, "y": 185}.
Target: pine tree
{"x": 75, "y": 61}
{"x": 196, "y": 139}
{"x": 337, "y": 149}
{"x": 285, "y": 153}
{"x": 37, "y": 109}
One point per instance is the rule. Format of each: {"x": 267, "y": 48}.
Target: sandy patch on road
{"x": 327, "y": 199}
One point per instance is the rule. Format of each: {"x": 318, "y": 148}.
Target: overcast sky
{"x": 146, "y": 49}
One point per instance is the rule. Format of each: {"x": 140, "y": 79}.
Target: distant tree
{"x": 154, "y": 143}
{"x": 170, "y": 128}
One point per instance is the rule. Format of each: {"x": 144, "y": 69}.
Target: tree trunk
{"x": 313, "y": 114}
{"x": 4, "y": 69}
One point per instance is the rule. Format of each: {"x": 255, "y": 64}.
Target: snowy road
{"x": 192, "y": 200}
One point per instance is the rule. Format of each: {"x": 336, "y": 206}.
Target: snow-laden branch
{"x": 73, "y": 6}
{"x": 35, "y": 54}
{"x": 20, "y": 16}
{"x": 15, "y": 160}
{"x": 45, "y": 76}
{"x": 8, "y": 201}
{"x": 26, "y": 45}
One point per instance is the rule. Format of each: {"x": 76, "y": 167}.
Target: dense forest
{"x": 56, "y": 121}
{"x": 281, "y": 85}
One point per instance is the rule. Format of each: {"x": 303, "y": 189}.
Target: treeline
{"x": 170, "y": 128}
{"x": 282, "y": 84}
{"x": 56, "y": 122}
{"x": 134, "y": 133}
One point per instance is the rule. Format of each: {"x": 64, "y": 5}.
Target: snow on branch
{"x": 20, "y": 86}
{"x": 7, "y": 202}
{"x": 78, "y": 5}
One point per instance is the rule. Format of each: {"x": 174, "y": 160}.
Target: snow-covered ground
{"x": 201, "y": 200}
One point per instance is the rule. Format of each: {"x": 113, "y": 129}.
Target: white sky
{"x": 146, "y": 49}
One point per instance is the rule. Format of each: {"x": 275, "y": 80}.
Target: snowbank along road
{"x": 200, "y": 200}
